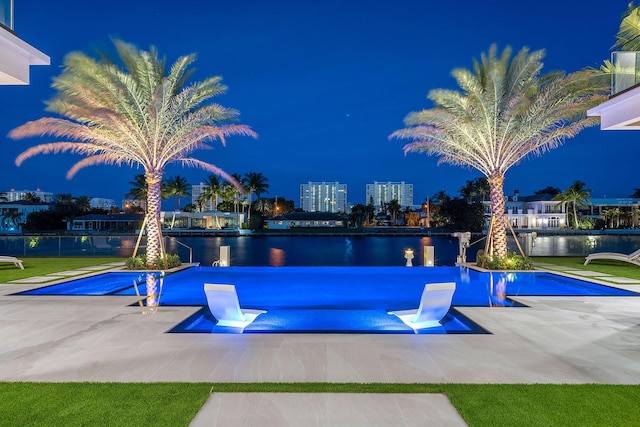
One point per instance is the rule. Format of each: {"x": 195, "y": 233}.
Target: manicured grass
{"x": 613, "y": 267}
{"x": 43, "y": 266}
{"x": 175, "y": 404}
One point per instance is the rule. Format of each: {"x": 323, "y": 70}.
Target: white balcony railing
{"x": 626, "y": 71}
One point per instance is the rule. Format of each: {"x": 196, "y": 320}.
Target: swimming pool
{"x": 333, "y": 299}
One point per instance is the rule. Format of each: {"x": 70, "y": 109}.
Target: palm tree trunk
{"x": 154, "y": 233}
{"x": 575, "y": 215}
{"x": 499, "y": 231}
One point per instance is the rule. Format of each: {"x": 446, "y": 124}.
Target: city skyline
{"x": 323, "y": 85}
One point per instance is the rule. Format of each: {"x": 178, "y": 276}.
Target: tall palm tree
{"x": 134, "y": 114}
{"x": 505, "y": 111}
{"x": 256, "y": 184}
{"x": 177, "y": 186}
{"x": 211, "y": 190}
{"x": 394, "y": 207}
{"x": 577, "y": 196}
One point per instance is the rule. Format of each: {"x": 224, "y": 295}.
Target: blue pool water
{"x": 334, "y": 299}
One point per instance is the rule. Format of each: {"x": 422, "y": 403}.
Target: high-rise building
{"x": 323, "y": 197}
{"x": 15, "y": 195}
{"x": 383, "y": 192}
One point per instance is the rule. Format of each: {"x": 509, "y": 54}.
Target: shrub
{"x": 140, "y": 262}
{"x": 512, "y": 261}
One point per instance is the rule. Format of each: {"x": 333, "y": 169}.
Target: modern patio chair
{"x": 225, "y": 307}
{"x": 434, "y": 305}
{"x": 17, "y": 262}
{"x": 633, "y": 258}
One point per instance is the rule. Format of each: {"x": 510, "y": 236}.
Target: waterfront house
{"x": 305, "y": 220}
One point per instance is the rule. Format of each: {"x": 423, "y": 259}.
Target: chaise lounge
{"x": 225, "y": 307}
{"x": 434, "y": 305}
{"x": 17, "y": 262}
{"x": 633, "y": 258}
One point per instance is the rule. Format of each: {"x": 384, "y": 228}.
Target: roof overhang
{"x": 15, "y": 58}
{"x": 622, "y": 112}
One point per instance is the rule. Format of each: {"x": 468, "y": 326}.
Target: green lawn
{"x": 175, "y": 404}
{"x": 43, "y": 266}
{"x": 613, "y": 267}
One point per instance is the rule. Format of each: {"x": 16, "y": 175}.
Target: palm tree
{"x": 577, "y": 196}
{"x": 177, "y": 186}
{"x": 506, "y": 110}
{"x": 256, "y": 184}
{"x": 394, "y": 207}
{"x": 138, "y": 190}
{"x": 628, "y": 37}
{"x": 135, "y": 115}
{"x": 211, "y": 190}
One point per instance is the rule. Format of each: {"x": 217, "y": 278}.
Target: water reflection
{"x": 498, "y": 291}
{"x": 153, "y": 289}
{"x": 276, "y": 257}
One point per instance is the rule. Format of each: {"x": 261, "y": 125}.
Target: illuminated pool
{"x": 334, "y": 299}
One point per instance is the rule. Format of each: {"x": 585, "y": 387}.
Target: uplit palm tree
{"x": 177, "y": 187}
{"x": 628, "y": 37}
{"x": 577, "y": 196}
{"x": 505, "y": 111}
{"x": 134, "y": 114}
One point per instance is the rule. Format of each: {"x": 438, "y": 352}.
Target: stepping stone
{"x": 327, "y": 409}
{"x": 66, "y": 273}
{"x": 588, "y": 273}
{"x": 93, "y": 268}
{"x": 622, "y": 280}
{"x": 34, "y": 279}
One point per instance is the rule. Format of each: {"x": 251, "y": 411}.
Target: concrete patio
{"x": 112, "y": 339}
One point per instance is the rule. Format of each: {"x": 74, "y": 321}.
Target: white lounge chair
{"x": 434, "y": 305}
{"x": 633, "y": 258}
{"x": 225, "y": 307}
{"x": 17, "y": 262}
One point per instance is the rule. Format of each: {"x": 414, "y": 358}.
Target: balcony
{"x": 16, "y": 56}
{"x": 6, "y": 14}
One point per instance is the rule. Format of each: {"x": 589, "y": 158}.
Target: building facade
{"x": 381, "y": 193}
{"x": 323, "y": 197}
{"x": 208, "y": 204}
{"x": 100, "y": 203}
{"x": 15, "y": 54}
{"x": 17, "y": 195}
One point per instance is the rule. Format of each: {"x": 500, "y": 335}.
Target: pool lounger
{"x": 225, "y": 307}
{"x": 17, "y": 262}
{"x": 434, "y": 305}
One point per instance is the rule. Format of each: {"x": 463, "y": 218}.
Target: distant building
{"x": 15, "y": 55}
{"x": 16, "y": 195}
{"x": 196, "y": 192}
{"x": 383, "y": 192}
{"x": 100, "y": 203}
{"x": 305, "y": 220}
{"x": 536, "y": 212}
{"x": 127, "y": 204}
{"x": 323, "y": 197}
{"x": 13, "y": 215}
{"x": 103, "y": 223}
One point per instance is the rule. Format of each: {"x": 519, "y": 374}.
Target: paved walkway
{"x": 111, "y": 338}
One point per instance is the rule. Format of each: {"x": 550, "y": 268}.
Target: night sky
{"x": 323, "y": 83}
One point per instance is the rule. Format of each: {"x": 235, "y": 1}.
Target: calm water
{"x": 317, "y": 251}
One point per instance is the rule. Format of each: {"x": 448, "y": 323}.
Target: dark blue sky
{"x": 323, "y": 83}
